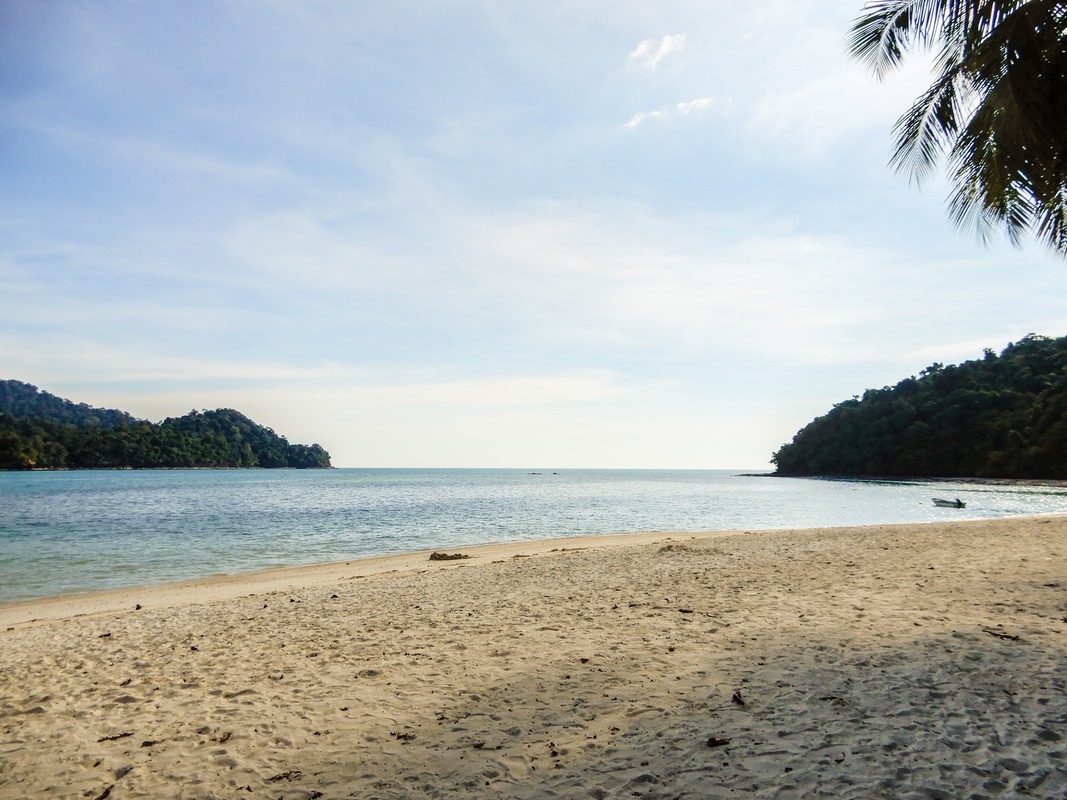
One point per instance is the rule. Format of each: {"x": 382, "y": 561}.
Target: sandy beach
{"x": 925, "y": 661}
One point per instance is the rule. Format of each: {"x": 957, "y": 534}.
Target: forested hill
{"x": 41, "y": 431}
{"x": 997, "y": 417}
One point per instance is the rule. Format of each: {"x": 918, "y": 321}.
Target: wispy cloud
{"x": 678, "y": 109}
{"x": 641, "y": 116}
{"x": 152, "y": 154}
{"x": 649, "y": 53}
{"x": 693, "y": 105}
{"x": 809, "y": 114}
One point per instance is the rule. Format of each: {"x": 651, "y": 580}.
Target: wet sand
{"x": 925, "y": 661}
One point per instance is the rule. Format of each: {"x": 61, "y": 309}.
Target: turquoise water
{"x": 63, "y": 532}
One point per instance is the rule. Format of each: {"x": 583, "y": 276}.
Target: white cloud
{"x": 641, "y": 116}
{"x": 810, "y": 114}
{"x": 693, "y": 105}
{"x": 300, "y": 249}
{"x": 649, "y": 53}
{"x": 72, "y": 359}
{"x": 678, "y": 109}
{"x": 623, "y": 276}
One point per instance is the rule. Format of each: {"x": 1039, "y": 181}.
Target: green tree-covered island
{"x": 1002, "y": 416}
{"x": 41, "y": 431}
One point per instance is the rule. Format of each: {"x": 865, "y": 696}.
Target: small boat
{"x": 957, "y": 503}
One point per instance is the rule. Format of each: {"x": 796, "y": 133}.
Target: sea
{"x": 81, "y": 531}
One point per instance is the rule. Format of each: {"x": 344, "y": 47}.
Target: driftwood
{"x": 447, "y": 556}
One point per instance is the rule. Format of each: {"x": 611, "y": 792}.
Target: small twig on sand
{"x": 999, "y": 635}
{"x": 115, "y": 736}
{"x": 285, "y": 776}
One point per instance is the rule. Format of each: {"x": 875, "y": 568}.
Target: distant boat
{"x": 957, "y": 503}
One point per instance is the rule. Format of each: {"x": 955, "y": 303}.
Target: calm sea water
{"x": 63, "y": 532}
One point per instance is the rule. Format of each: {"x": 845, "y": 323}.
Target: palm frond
{"x": 880, "y": 37}
{"x": 930, "y": 126}
{"x": 996, "y": 110}
{"x": 1052, "y": 224}
{"x": 888, "y": 28}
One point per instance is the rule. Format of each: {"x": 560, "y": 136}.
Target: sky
{"x": 480, "y": 233}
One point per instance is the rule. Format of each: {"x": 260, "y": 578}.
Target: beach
{"x": 918, "y": 660}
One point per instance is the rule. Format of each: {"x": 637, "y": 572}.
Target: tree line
{"x": 1001, "y": 416}
{"x": 41, "y": 431}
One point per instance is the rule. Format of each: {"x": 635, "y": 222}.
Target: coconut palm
{"x": 996, "y": 111}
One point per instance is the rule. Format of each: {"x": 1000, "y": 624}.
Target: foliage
{"x": 998, "y": 106}
{"x": 41, "y": 431}
{"x": 997, "y": 417}
{"x": 23, "y": 401}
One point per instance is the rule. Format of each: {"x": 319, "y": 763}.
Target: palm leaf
{"x": 997, "y": 106}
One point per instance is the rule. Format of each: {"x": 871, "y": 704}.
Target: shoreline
{"x": 911, "y": 660}
{"x": 221, "y": 587}
{"x": 1056, "y": 483}
{"x": 227, "y": 586}
{"x": 240, "y": 538}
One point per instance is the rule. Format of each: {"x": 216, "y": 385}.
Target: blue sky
{"x": 476, "y": 233}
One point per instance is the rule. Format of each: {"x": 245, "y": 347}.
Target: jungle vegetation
{"x": 1001, "y": 416}
{"x": 41, "y": 431}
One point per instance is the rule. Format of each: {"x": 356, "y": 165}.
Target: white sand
{"x": 900, "y": 661}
